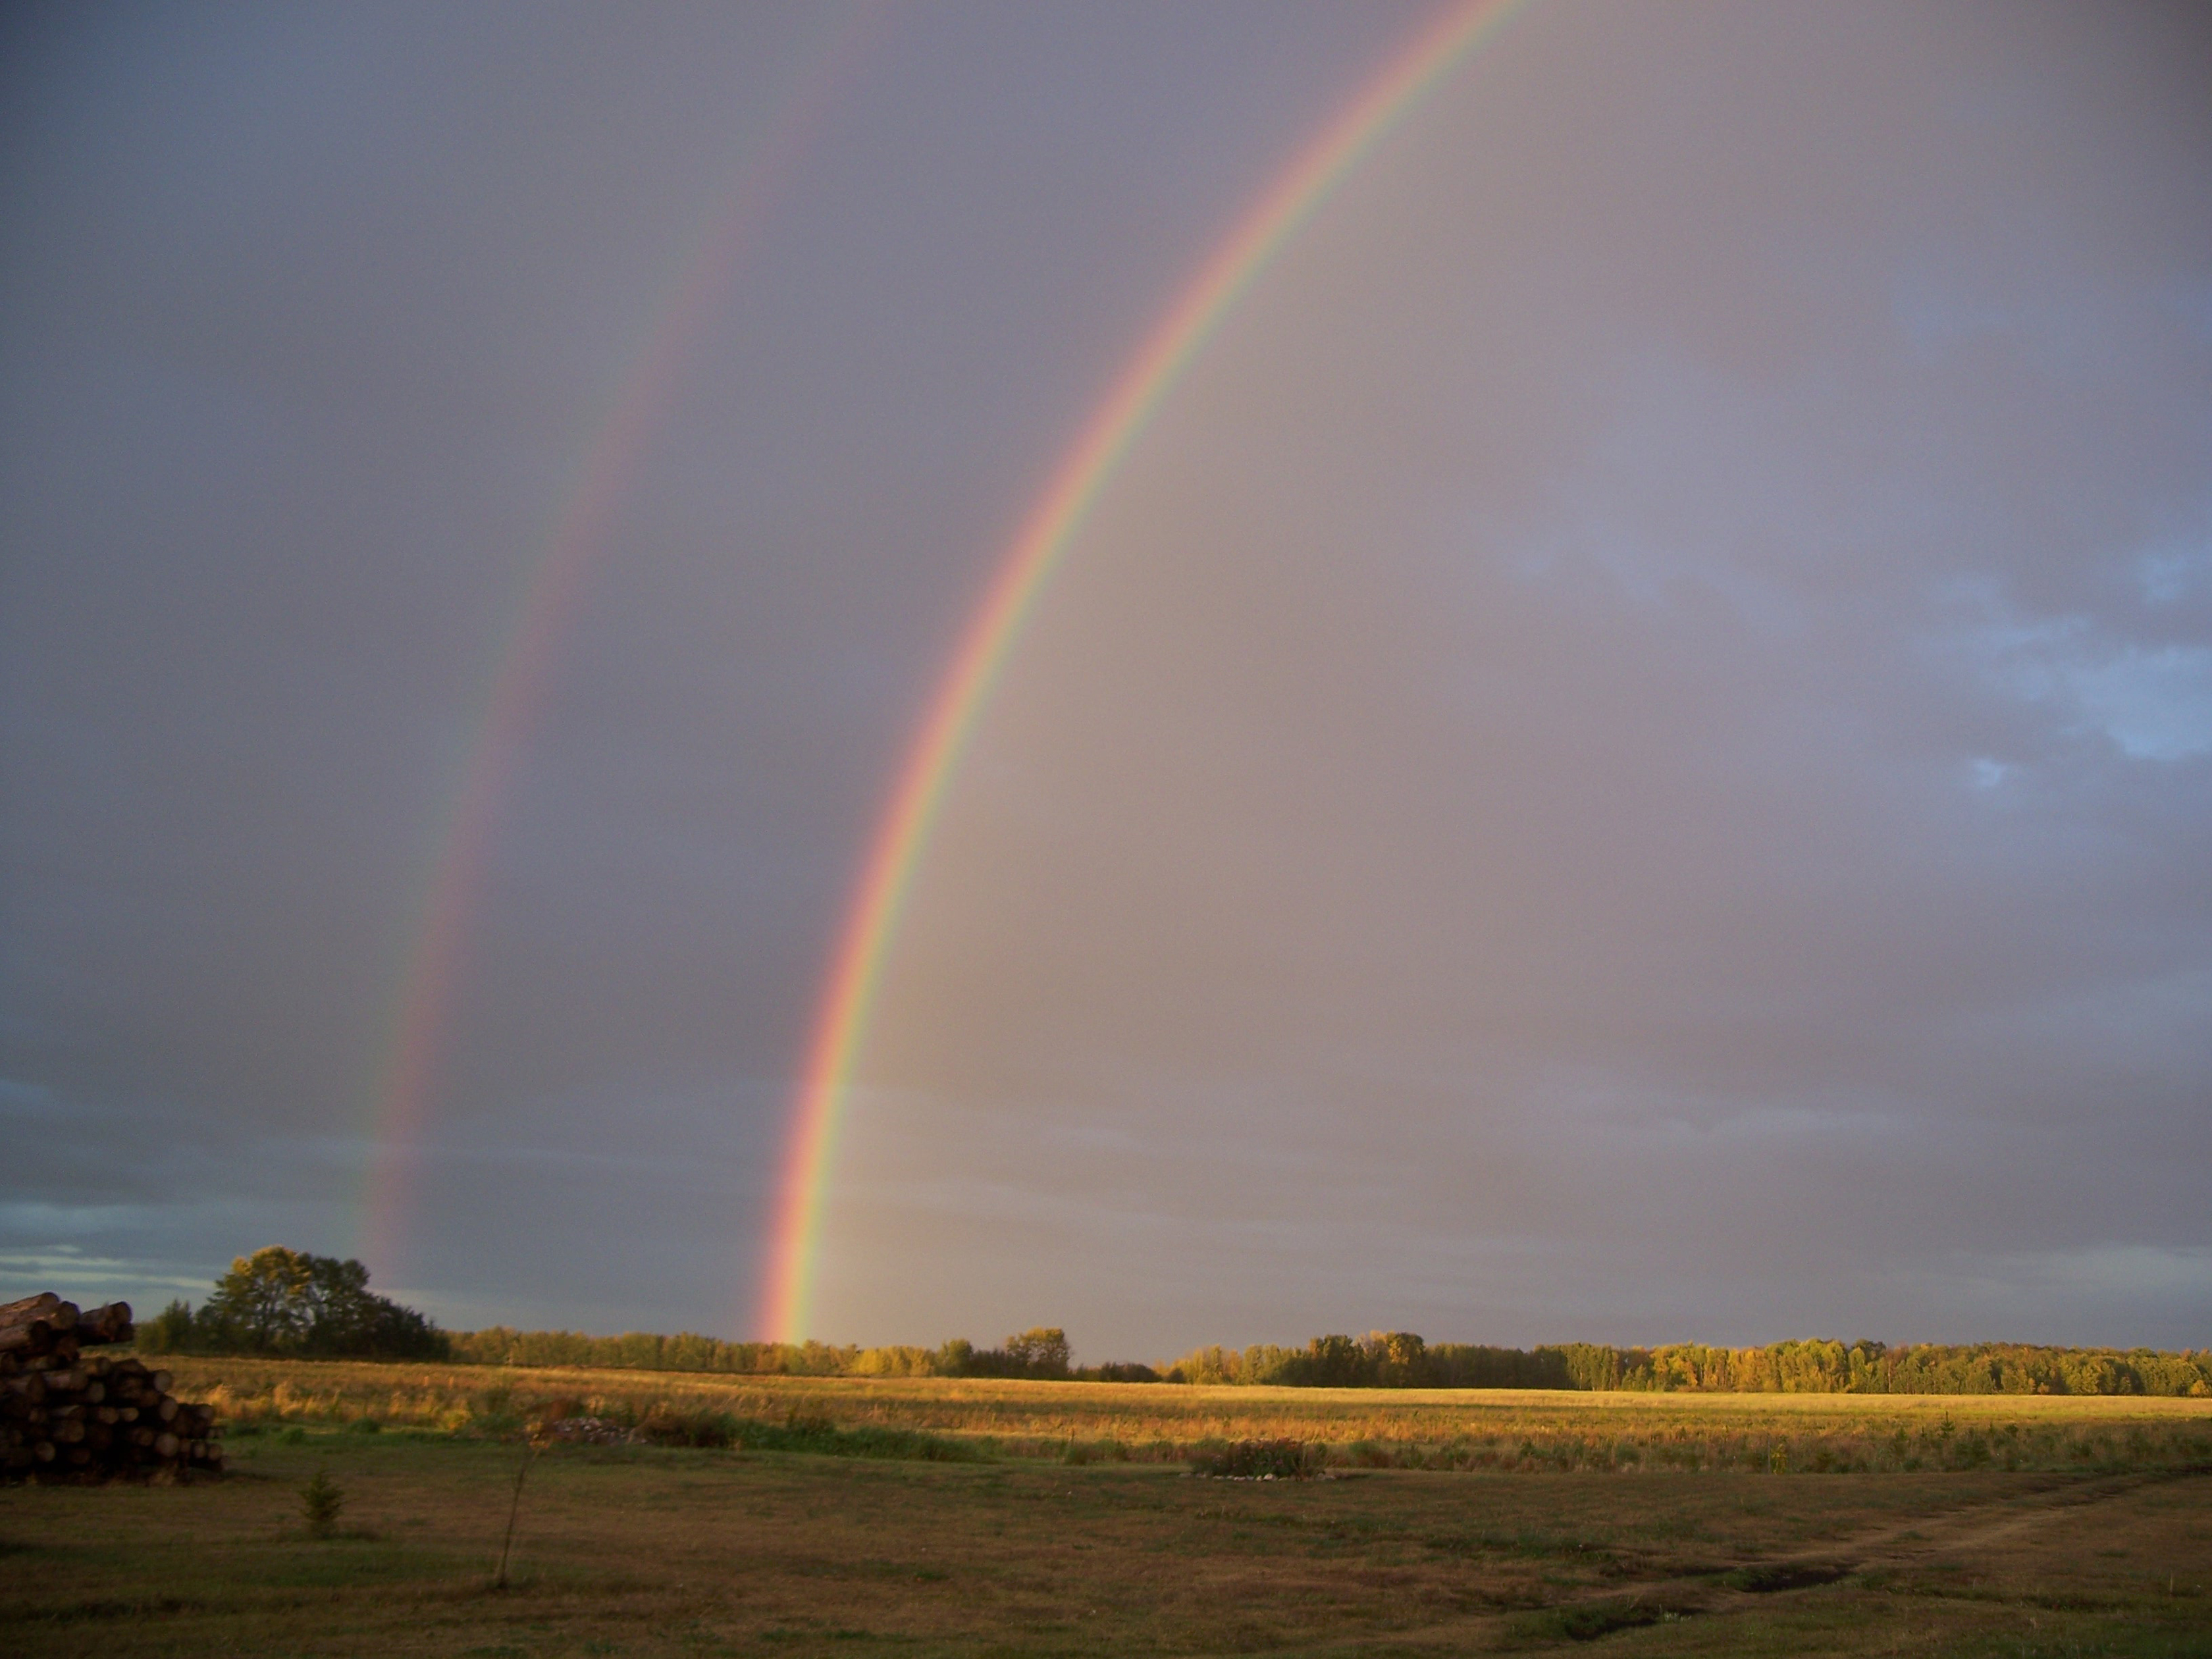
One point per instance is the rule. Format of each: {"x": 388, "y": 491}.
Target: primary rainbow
{"x": 842, "y": 1019}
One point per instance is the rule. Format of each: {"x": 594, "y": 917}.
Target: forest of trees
{"x": 286, "y": 1301}
{"x": 1042, "y": 1352}
{"x": 1402, "y": 1359}
{"x": 281, "y": 1302}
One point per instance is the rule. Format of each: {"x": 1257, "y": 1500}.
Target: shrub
{"x": 1260, "y": 1460}
{"x": 320, "y": 1500}
{"x": 664, "y": 1425}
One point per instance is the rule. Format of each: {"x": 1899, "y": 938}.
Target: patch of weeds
{"x": 1259, "y": 1460}
{"x": 364, "y": 1425}
{"x": 1453, "y": 1544}
{"x": 1768, "y": 1578}
{"x": 1586, "y": 1621}
{"x": 799, "y": 1432}
{"x": 294, "y": 1436}
{"x": 1095, "y": 1451}
{"x": 1536, "y": 1545}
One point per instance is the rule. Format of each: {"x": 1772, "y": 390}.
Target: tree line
{"x": 1385, "y": 1359}
{"x": 1402, "y": 1359}
{"x": 282, "y": 1301}
{"x": 1041, "y": 1351}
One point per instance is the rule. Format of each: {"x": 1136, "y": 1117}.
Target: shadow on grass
{"x": 1586, "y": 1621}
{"x": 1765, "y": 1580}
{"x": 104, "y": 1608}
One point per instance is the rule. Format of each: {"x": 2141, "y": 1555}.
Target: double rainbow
{"x": 903, "y": 832}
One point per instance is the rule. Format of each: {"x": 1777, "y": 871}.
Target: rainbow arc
{"x": 871, "y": 918}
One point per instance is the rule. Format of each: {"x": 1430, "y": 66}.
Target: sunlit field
{"x": 1061, "y": 1518}
{"x": 1435, "y": 1429}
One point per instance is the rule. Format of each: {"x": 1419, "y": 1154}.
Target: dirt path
{"x": 1960, "y": 1529}
{"x": 1977, "y": 1526}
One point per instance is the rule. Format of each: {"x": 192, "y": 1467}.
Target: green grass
{"x": 1586, "y": 1621}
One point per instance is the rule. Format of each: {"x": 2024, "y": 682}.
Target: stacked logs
{"x": 69, "y": 1416}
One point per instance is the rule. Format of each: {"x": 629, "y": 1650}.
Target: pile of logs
{"x": 67, "y": 1415}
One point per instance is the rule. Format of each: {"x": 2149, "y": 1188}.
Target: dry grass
{"x": 1373, "y": 1428}
{"x": 628, "y": 1550}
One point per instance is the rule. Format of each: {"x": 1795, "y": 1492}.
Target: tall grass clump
{"x": 1258, "y": 1459}
{"x": 669, "y": 1426}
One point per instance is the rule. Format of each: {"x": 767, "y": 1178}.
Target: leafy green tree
{"x": 283, "y": 1301}
{"x": 1041, "y": 1351}
{"x": 1400, "y": 1360}
{"x": 262, "y": 1304}
{"x": 1337, "y": 1362}
{"x": 954, "y": 1358}
{"x": 169, "y": 1331}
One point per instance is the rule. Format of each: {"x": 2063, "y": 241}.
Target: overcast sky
{"x": 1629, "y": 757}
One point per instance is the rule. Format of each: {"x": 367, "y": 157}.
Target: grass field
{"x": 1358, "y": 1427}
{"x": 1453, "y": 1524}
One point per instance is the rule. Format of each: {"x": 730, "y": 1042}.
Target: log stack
{"x": 66, "y": 1415}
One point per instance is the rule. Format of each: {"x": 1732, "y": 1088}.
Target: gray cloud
{"x": 1629, "y": 756}
{"x": 1612, "y": 764}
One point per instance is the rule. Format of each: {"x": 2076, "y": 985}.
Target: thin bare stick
{"x": 521, "y": 1471}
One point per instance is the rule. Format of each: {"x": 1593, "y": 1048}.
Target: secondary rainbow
{"x": 872, "y": 917}
{"x": 522, "y": 672}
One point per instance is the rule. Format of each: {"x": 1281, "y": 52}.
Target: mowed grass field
{"x": 1065, "y": 1523}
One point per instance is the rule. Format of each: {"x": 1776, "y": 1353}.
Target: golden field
{"x": 1065, "y": 1523}
{"x": 1159, "y": 1422}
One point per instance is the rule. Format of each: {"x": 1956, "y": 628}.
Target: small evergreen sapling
{"x": 320, "y": 1500}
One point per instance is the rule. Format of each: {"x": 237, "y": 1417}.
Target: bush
{"x": 1260, "y": 1460}
{"x": 664, "y": 1425}
{"x": 320, "y": 1500}
{"x": 1080, "y": 1452}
